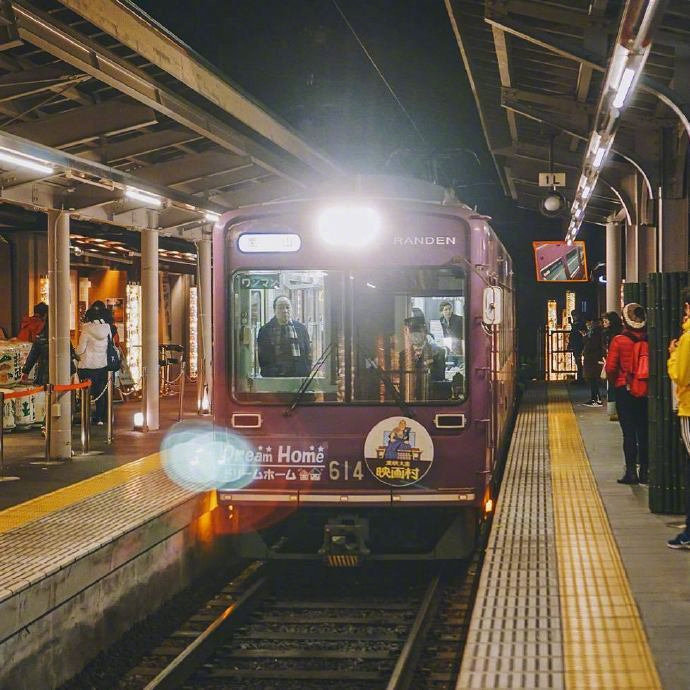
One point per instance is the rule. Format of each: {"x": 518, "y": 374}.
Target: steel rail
{"x": 405, "y": 667}
{"x": 176, "y": 673}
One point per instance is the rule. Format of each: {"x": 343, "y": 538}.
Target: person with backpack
{"x": 678, "y": 366}
{"x": 627, "y": 367}
{"x": 92, "y": 351}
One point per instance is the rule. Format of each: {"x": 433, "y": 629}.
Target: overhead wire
{"x": 380, "y": 73}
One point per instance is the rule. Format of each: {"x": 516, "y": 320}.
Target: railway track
{"x": 384, "y": 626}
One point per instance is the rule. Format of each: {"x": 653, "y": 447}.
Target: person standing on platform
{"x": 627, "y": 367}
{"x": 38, "y": 357}
{"x": 576, "y": 341}
{"x": 593, "y": 360}
{"x": 107, "y": 315}
{"x": 612, "y": 327}
{"x": 32, "y": 326}
{"x": 92, "y": 351}
{"x": 678, "y": 366}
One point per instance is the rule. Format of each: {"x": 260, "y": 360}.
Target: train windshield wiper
{"x": 302, "y": 390}
{"x": 388, "y": 382}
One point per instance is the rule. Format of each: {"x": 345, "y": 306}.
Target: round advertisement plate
{"x": 399, "y": 451}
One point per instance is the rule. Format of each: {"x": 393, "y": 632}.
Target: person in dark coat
{"x": 613, "y": 325}
{"x": 593, "y": 360}
{"x": 283, "y": 343}
{"x": 452, "y": 328}
{"x": 38, "y": 357}
{"x": 576, "y": 341}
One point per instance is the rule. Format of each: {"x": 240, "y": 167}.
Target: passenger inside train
{"x": 350, "y": 334}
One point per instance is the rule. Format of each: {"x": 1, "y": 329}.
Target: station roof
{"x": 537, "y": 70}
{"x": 109, "y": 99}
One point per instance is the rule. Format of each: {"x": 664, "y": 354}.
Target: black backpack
{"x": 112, "y": 357}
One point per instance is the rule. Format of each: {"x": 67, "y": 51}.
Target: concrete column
{"x": 613, "y": 266}
{"x": 205, "y": 310}
{"x": 58, "y": 333}
{"x": 149, "y": 319}
{"x": 633, "y": 251}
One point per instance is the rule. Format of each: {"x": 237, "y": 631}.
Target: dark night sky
{"x": 300, "y": 60}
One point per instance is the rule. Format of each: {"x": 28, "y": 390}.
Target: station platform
{"x": 578, "y": 588}
{"x": 24, "y": 451}
{"x": 81, "y": 564}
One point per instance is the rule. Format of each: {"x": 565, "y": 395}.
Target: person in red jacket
{"x": 632, "y": 410}
{"x": 32, "y": 326}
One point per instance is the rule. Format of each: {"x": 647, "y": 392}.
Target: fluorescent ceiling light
{"x": 211, "y": 216}
{"x": 624, "y": 87}
{"x": 145, "y": 197}
{"x": 594, "y": 142}
{"x": 599, "y": 157}
{"x": 586, "y": 191}
{"x": 28, "y": 163}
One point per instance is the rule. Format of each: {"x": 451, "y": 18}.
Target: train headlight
{"x": 349, "y": 226}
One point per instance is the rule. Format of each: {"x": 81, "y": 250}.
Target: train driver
{"x": 421, "y": 358}
{"x": 283, "y": 343}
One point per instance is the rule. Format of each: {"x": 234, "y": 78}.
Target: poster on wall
{"x": 117, "y": 308}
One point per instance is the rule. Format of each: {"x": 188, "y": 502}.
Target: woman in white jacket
{"x": 93, "y": 359}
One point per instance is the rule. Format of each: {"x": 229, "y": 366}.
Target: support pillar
{"x": 633, "y": 251}
{"x": 205, "y": 310}
{"x": 613, "y": 266}
{"x": 58, "y": 334}
{"x": 149, "y": 319}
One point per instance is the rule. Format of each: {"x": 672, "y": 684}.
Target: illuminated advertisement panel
{"x": 560, "y": 262}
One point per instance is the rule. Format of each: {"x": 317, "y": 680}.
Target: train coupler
{"x": 344, "y": 541}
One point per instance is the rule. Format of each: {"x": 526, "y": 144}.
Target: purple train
{"x": 364, "y": 351}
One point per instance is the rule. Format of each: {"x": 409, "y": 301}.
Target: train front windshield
{"x": 382, "y": 335}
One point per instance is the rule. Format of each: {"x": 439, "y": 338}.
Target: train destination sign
{"x": 264, "y": 242}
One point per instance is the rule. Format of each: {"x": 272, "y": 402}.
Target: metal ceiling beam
{"x": 583, "y": 135}
{"x": 191, "y": 167}
{"x": 146, "y": 143}
{"x": 501, "y": 49}
{"x": 79, "y": 51}
{"x": 85, "y": 123}
{"x": 160, "y": 48}
{"x": 217, "y": 181}
{"x": 464, "y": 54}
{"x": 566, "y": 48}
{"x": 255, "y": 192}
{"x": 573, "y": 51}
{"x": 93, "y": 169}
{"x": 30, "y": 82}
{"x": 545, "y": 12}
{"x": 563, "y": 158}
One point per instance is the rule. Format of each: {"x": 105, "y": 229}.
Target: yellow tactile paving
{"x": 18, "y": 515}
{"x": 604, "y": 643}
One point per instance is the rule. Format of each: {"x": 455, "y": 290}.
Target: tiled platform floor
{"x": 618, "y": 613}
{"x": 23, "y": 451}
{"x": 659, "y": 577}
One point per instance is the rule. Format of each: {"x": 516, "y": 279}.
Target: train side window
{"x": 287, "y": 329}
